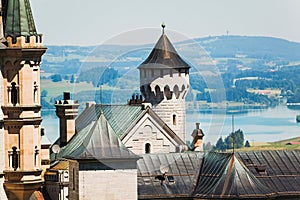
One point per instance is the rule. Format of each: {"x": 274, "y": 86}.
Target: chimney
{"x": 67, "y": 111}
{"x": 197, "y": 135}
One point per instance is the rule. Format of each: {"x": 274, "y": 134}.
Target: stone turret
{"x": 67, "y": 111}
{"x": 164, "y": 82}
{"x": 21, "y": 50}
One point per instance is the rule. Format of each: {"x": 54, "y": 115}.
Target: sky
{"x": 90, "y": 22}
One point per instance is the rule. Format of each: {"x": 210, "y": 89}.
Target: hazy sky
{"x": 91, "y": 22}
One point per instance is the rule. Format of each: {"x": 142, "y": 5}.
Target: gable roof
{"x": 122, "y": 118}
{"x": 164, "y": 55}
{"x": 97, "y": 141}
{"x": 278, "y": 169}
{"x": 224, "y": 176}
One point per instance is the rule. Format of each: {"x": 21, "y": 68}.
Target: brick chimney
{"x": 198, "y": 138}
{"x": 67, "y": 111}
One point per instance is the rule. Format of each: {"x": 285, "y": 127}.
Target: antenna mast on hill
{"x": 233, "y": 137}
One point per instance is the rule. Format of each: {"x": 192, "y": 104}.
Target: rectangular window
{"x": 73, "y": 172}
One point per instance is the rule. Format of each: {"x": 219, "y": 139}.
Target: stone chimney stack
{"x": 67, "y": 111}
{"x": 198, "y": 138}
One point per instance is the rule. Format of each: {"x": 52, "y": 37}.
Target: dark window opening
{"x": 73, "y": 172}
{"x": 174, "y": 119}
{"x": 14, "y": 93}
{"x": 36, "y": 153}
{"x": 15, "y": 158}
{"x": 147, "y": 148}
{"x": 176, "y": 91}
{"x": 171, "y": 179}
{"x": 168, "y": 92}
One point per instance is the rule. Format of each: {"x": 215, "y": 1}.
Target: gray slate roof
{"x": 180, "y": 167}
{"x": 277, "y": 170}
{"x": 164, "y": 55}
{"x": 243, "y": 175}
{"x": 225, "y": 176}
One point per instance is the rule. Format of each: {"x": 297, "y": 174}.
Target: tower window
{"x": 14, "y": 93}
{"x": 168, "y": 92}
{"x": 174, "y": 119}
{"x": 147, "y": 148}
{"x": 36, "y": 153}
{"x": 35, "y": 89}
{"x": 15, "y": 159}
{"x": 152, "y": 72}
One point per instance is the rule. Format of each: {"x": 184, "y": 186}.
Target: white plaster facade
{"x": 108, "y": 184}
{"x": 149, "y": 132}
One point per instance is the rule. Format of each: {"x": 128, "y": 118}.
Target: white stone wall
{"x": 148, "y": 131}
{"x": 166, "y": 109}
{"x": 108, "y": 184}
{"x": 169, "y": 107}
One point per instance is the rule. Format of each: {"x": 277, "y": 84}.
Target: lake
{"x": 263, "y": 125}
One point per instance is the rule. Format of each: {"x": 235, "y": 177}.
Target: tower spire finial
{"x": 163, "y": 25}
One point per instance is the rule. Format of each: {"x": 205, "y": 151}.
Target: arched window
{"x": 174, "y": 119}
{"x": 14, "y": 93}
{"x": 147, "y": 148}
{"x": 35, "y": 91}
{"x": 176, "y": 91}
{"x": 15, "y": 158}
{"x": 168, "y": 92}
{"x": 36, "y": 153}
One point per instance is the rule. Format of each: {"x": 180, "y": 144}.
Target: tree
{"x": 247, "y": 143}
{"x": 56, "y": 78}
{"x": 44, "y": 93}
{"x": 238, "y": 137}
{"x": 220, "y": 145}
{"x": 207, "y": 146}
{"x": 72, "y": 79}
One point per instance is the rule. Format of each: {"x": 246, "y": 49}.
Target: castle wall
{"x": 167, "y": 96}
{"x": 172, "y": 112}
{"x": 108, "y": 184}
{"x": 148, "y": 134}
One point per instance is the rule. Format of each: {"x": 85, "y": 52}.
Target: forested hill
{"x": 246, "y": 64}
{"x": 216, "y": 46}
{"x": 251, "y": 47}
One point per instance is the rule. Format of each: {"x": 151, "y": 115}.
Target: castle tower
{"x": 164, "y": 82}
{"x": 67, "y": 111}
{"x": 20, "y": 58}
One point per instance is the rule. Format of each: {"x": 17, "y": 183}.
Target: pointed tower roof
{"x": 164, "y": 55}
{"x": 97, "y": 141}
{"x": 18, "y": 19}
{"x": 223, "y": 176}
